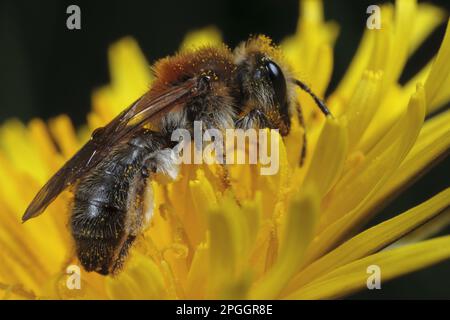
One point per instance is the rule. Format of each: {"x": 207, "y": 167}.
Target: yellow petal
{"x": 130, "y": 72}
{"x": 209, "y": 36}
{"x": 197, "y": 282}
{"x": 357, "y": 66}
{"x": 15, "y": 292}
{"x": 130, "y": 78}
{"x": 222, "y": 253}
{"x": 392, "y": 263}
{"x": 309, "y": 51}
{"x": 410, "y": 87}
{"x": 363, "y": 106}
{"x": 437, "y": 86}
{"x": 48, "y": 152}
{"x": 329, "y": 156}
{"x": 62, "y": 129}
{"x": 204, "y": 200}
{"x": 373, "y": 239}
{"x": 231, "y": 238}
{"x": 141, "y": 280}
{"x": 427, "y": 19}
{"x": 387, "y": 49}
{"x": 299, "y": 228}
{"x": 353, "y": 191}
{"x": 294, "y": 143}
{"x": 405, "y": 13}
{"x": 425, "y": 231}
{"x": 431, "y": 145}
{"x": 16, "y": 145}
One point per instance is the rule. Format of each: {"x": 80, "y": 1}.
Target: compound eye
{"x": 278, "y": 81}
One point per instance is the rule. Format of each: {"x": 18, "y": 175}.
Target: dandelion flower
{"x": 293, "y": 235}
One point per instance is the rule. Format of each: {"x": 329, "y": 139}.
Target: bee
{"x": 249, "y": 87}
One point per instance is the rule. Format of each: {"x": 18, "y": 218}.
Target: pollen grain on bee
{"x": 229, "y": 146}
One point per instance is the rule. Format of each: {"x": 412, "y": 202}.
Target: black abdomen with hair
{"x": 108, "y": 209}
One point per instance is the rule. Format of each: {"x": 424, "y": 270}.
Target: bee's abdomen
{"x": 100, "y": 208}
{"x": 95, "y": 220}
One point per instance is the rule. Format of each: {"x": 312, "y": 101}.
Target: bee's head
{"x": 263, "y": 81}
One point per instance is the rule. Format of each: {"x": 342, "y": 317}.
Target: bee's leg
{"x": 254, "y": 119}
{"x": 122, "y": 255}
{"x": 257, "y": 119}
{"x": 225, "y": 176}
{"x": 139, "y": 215}
{"x": 164, "y": 161}
{"x": 145, "y": 172}
{"x": 301, "y": 121}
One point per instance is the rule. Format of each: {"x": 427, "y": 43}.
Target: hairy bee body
{"x": 109, "y": 211}
{"x": 109, "y": 208}
{"x": 248, "y": 88}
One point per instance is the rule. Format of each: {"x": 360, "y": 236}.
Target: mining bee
{"x": 249, "y": 87}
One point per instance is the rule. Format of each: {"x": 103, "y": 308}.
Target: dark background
{"x": 46, "y": 69}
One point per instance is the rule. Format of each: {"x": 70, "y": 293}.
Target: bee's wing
{"x": 103, "y": 139}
